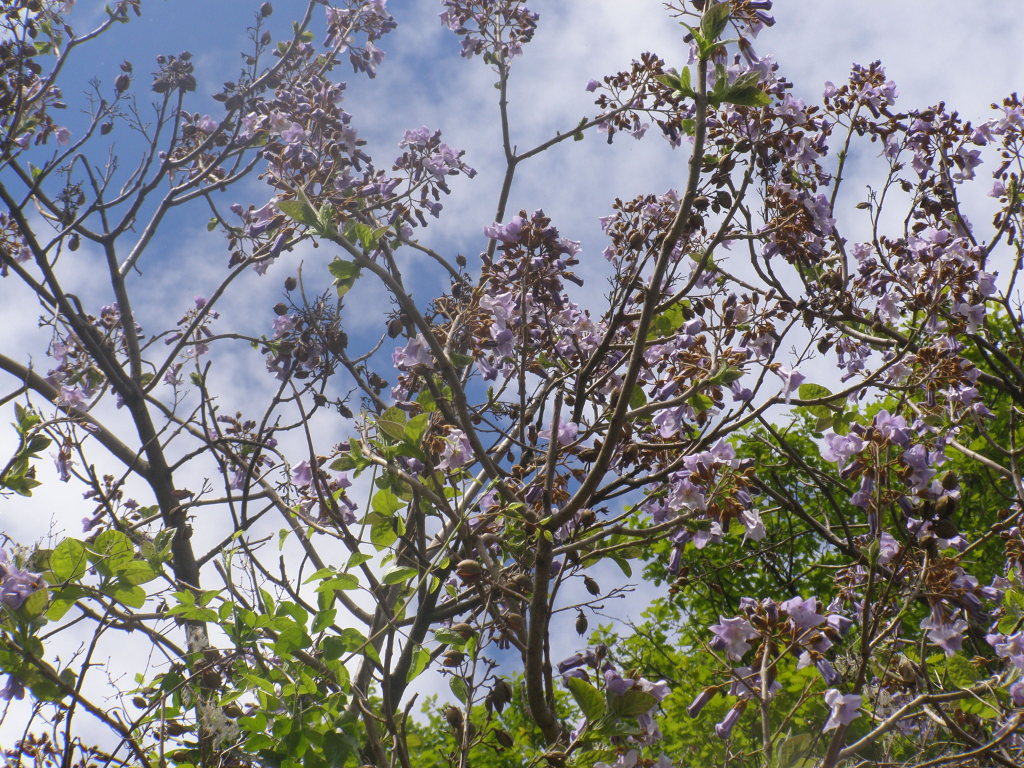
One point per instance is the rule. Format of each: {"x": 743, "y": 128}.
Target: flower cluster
{"x": 799, "y": 625}
{"x": 497, "y": 29}
{"x": 369, "y": 17}
{"x": 306, "y": 341}
{"x": 323, "y": 492}
{"x": 77, "y": 375}
{"x": 594, "y": 665}
{"x": 427, "y": 162}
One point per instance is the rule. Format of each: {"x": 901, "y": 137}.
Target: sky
{"x": 964, "y": 54}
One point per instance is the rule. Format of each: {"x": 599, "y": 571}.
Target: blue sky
{"x": 965, "y": 54}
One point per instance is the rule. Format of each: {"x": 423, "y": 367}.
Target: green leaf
{"x": 684, "y": 82}
{"x": 386, "y": 503}
{"x": 447, "y": 637}
{"x": 713, "y": 22}
{"x": 325, "y": 220}
{"x": 136, "y": 572}
{"x": 399, "y": 575}
{"x": 637, "y": 398}
{"x": 623, "y": 564}
{"x": 323, "y": 620}
{"x": 392, "y": 423}
{"x": 668, "y": 322}
{"x": 382, "y": 533}
{"x": 110, "y": 550}
{"x": 135, "y": 596}
{"x": 748, "y": 96}
{"x": 415, "y": 428}
{"x": 587, "y": 698}
{"x": 726, "y": 374}
{"x": 342, "y": 581}
{"x": 300, "y": 211}
{"x": 358, "y": 558}
{"x": 789, "y": 753}
{"x": 61, "y": 601}
{"x": 35, "y": 604}
{"x": 420, "y": 661}
{"x": 813, "y": 392}
{"x": 459, "y": 688}
{"x": 68, "y": 561}
{"x": 345, "y": 274}
{"x": 632, "y": 703}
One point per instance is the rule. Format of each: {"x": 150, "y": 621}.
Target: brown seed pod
{"x": 500, "y": 695}
{"x": 504, "y": 738}
{"x": 463, "y": 629}
{"x": 592, "y": 586}
{"x": 452, "y": 658}
{"x": 581, "y": 624}
{"x": 469, "y": 570}
{"x": 522, "y": 583}
{"x": 454, "y": 717}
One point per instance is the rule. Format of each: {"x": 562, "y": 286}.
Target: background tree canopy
{"x": 739, "y": 486}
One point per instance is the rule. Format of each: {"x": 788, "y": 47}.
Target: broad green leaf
{"x": 134, "y": 596}
{"x": 458, "y": 687}
{"x": 61, "y": 601}
{"x": 813, "y": 392}
{"x": 632, "y": 703}
{"x": 136, "y": 572}
{"x": 68, "y": 561}
{"x": 790, "y": 752}
{"x": 300, "y": 211}
{"x": 587, "y": 698}
{"x": 447, "y": 637}
{"x": 420, "y": 661}
{"x": 323, "y": 620}
{"x": 110, "y": 550}
{"x": 386, "y": 503}
{"x": 713, "y": 22}
{"x": 344, "y": 273}
{"x": 341, "y": 581}
{"x": 399, "y": 575}
{"x": 415, "y": 428}
{"x": 392, "y": 423}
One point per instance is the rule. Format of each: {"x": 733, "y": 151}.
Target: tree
{"x": 842, "y": 552}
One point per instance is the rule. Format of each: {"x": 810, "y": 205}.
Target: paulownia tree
{"x": 809, "y": 437}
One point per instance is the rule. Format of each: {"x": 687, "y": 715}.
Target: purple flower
{"x": 72, "y": 397}
{"x": 893, "y": 428}
{"x": 457, "y": 451}
{"x": 791, "y": 380}
{"x": 751, "y": 520}
{"x": 700, "y": 702}
{"x": 845, "y": 708}
{"x": 724, "y": 728}
{"x": 302, "y": 474}
{"x": 565, "y": 432}
{"x": 14, "y": 689}
{"x": 415, "y": 353}
{"x": 732, "y": 636}
{"x": 949, "y": 636}
{"x": 15, "y": 584}
{"x": 1012, "y": 647}
{"x": 889, "y": 547}
{"x": 508, "y": 233}
{"x": 1017, "y": 694}
{"x": 207, "y": 124}
{"x": 804, "y": 613}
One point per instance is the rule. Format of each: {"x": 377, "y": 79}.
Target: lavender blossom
{"x": 845, "y": 708}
